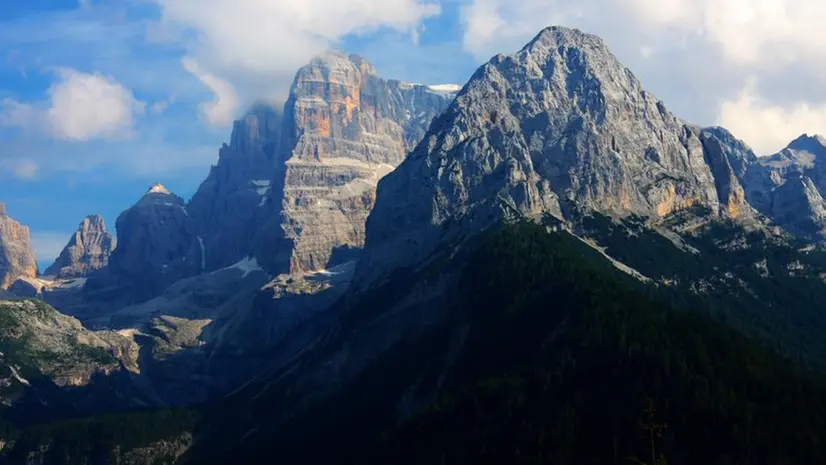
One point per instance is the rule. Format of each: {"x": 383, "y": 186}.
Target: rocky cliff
{"x": 559, "y": 124}
{"x": 88, "y": 250}
{"x": 789, "y": 186}
{"x": 16, "y": 253}
{"x": 226, "y": 206}
{"x": 293, "y": 191}
{"x": 157, "y": 246}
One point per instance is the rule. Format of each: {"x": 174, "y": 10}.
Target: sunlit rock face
{"x": 88, "y": 250}
{"x": 294, "y": 187}
{"x": 16, "y": 254}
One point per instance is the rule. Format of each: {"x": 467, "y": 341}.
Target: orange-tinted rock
{"x": 16, "y": 255}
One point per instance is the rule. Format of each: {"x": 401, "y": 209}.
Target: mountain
{"x": 293, "y": 188}
{"x": 225, "y": 207}
{"x": 563, "y": 135}
{"x": 157, "y": 246}
{"x": 87, "y": 251}
{"x": 16, "y": 253}
{"x": 788, "y": 187}
{"x": 559, "y": 265}
{"x": 559, "y": 126}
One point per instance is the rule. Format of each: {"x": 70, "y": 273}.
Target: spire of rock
{"x": 17, "y": 258}
{"x": 88, "y": 250}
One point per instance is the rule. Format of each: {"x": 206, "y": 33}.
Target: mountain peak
{"x": 338, "y": 62}
{"x": 158, "y": 188}
{"x": 94, "y": 221}
{"x": 556, "y": 35}
{"x": 87, "y": 251}
{"x": 2, "y": 209}
{"x": 809, "y": 143}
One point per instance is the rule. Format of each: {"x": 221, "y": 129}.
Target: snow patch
{"x": 72, "y": 283}
{"x": 17, "y": 376}
{"x": 158, "y": 189}
{"x": 263, "y": 188}
{"x": 445, "y": 90}
{"x": 247, "y": 266}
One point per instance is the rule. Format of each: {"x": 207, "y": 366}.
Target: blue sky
{"x": 101, "y": 98}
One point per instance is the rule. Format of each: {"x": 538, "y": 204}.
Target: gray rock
{"x": 787, "y": 187}
{"x": 294, "y": 191}
{"x": 345, "y": 128}
{"x": 226, "y": 204}
{"x": 16, "y": 253}
{"x": 87, "y": 251}
{"x": 157, "y": 246}
{"x": 560, "y": 126}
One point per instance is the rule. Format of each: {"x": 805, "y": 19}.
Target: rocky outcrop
{"x": 345, "y": 128}
{"x": 16, "y": 253}
{"x": 559, "y": 124}
{"x": 51, "y": 366}
{"x": 157, "y": 246}
{"x": 294, "y": 191}
{"x": 226, "y": 206}
{"x": 87, "y": 251}
{"x": 60, "y": 347}
{"x": 787, "y": 187}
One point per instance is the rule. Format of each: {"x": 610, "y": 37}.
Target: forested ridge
{"x": 562, "y": 359}
{"x": 572, "y": 362}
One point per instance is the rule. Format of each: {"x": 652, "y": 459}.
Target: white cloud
{"x": 694, "y": 54}
{"x": 769, "y": 127}
{"x": 221, "y": 110}
{"x": 257, "y": 45}
{"x": 90, "y": 106}
{"x": 24, "y": 169}
{"x": 758, "y": 33}
{"x": 81, "y": 107}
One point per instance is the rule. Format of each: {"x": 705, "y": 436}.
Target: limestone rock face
{"x": 226, "y": 206}
{"x": 17, "y": 258}
{"x": 789, "y": 187}
{"x": 157, "y": 245}
{"x": 293, "y": 188}
{"x": 87, "y": 251}
{"x": 344, "y": 129}
{"x": 559, "y": 123}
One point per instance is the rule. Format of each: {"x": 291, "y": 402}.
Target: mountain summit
{"x": 294, "y": 187}
{"x": 560, "y": 124}
{"x": 88, "y": 250}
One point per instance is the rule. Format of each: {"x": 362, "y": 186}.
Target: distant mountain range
{"x": 379, "y": 253}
